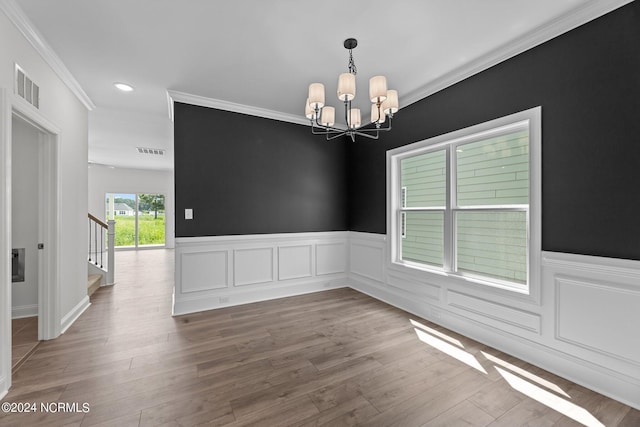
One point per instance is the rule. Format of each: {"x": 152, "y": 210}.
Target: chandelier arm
{"x": 329, "y": 138}
{"x": 376, "y": 136}
{"x": 316, "y": 124}
{"x": 376, "y": 129}
{"x": 324, "y": 129}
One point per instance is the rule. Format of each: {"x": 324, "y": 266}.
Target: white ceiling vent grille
{"x": 152, "y": 151}
{"x": 26, "y": 88}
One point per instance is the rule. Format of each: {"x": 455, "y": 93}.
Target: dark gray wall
{"x": 588, "y": 84}
{"x": 248, "y": 175}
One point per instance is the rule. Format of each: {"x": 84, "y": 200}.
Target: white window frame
{"x": 529, "y": 118}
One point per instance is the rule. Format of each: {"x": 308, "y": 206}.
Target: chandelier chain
{"x": 352, "y": 65}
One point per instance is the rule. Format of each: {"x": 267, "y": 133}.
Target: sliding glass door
{"x": 139, "y": 219}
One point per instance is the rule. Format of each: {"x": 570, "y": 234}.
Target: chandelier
{"x": 383, "y": 104}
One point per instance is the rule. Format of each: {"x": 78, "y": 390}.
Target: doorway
{"x": 48, "y": 305}
{"x": 26, "y": 232}
{"x": 140, "y": 219}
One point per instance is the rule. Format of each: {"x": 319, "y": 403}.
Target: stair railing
{"x": 101, "y": 243}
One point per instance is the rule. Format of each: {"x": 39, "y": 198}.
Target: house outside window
{"x": 466, "y": 204}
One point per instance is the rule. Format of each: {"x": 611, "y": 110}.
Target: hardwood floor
{"x": 331, "y": 358}
{"x": 24, "y": 340}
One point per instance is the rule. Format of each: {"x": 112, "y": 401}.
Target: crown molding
{"x": 186, "y": 98}
{"x": 33, "y": 36}
{"x": 587, "y": 12}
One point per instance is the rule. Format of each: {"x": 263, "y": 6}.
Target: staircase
{"x": 93, "y": 283}
{"x": 101, "y": 254}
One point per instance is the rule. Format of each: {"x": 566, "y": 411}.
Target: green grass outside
{"x": 150, "y": 230}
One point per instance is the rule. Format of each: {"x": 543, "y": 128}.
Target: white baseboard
{"x": 196, "y": 304}
{"x": 73, "y": 315}
{"x": 4, "y": 389}
{"x": 21, "y": 311}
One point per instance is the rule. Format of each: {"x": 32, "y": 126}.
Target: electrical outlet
{"x": 188, "y": 214}
{"x": 224, "y": 300}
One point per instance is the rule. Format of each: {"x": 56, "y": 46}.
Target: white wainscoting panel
{"x": 220, "y": 271}
{"x": 331, "y": 258}
{"x": 494, "y": 315}
{"x": 367, "y": 256}
{"x": 600, "y": 317}
{"x": 406, "y": 283}
{"x": 294, "y": 262}
{"x": 203, "y": 270}
{"x": 252, "y": 266}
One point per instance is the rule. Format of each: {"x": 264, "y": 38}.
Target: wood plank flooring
{"x": 332, "y": 358}
{"x": 24, "y": 340}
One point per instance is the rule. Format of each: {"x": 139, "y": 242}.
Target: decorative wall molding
{"x": 492, "y": 314}
{"x": 295, "y": 262}
{"x": 588, "y": 11}
{"x": 366, "y": 256}
{"x": 331, "y": 258}
{"x": 220, "y": 271}
{"x": 33, "y": 36}
{"x": 590, "y": 265}
{"x": 587, "y": 325}
{"x": 253, "y": 266}
{"x": 204, "y": 270}
{"x": 187, "y": 98}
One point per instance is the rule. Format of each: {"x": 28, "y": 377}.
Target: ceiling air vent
{"x": 152, "y": 151}
{"x": 26, "y": 88}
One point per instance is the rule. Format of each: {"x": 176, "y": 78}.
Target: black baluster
{"x": 89, "y": 239}
{"x": 101, "y": 245}
{"x": 95, "y": 237}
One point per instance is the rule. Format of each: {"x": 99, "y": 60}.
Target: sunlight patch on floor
{"x": 526, "y": 374}
{"x": 436, "y": 333}
{"x": 453, "y": 351}
{"x": 551, "y": 400}
{"x": 524, "y": 382}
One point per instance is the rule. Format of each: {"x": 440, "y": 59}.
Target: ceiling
{"x": 263, "y": 54}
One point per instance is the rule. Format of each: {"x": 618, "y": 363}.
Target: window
{"x": 139, "y": 219}
{"x": 466, "y": 204}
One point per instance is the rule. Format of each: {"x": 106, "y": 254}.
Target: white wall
{"x": 584, "y": 326}
{"x": 61, "y": 108}
{"x": 104, "y": 179}
{"x": 25, "y": 203}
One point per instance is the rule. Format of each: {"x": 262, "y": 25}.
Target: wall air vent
{"x": 26, "y": 88}
{"x": 152, "y": 151}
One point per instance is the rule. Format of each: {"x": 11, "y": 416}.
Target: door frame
{"x": 49, "y": 320}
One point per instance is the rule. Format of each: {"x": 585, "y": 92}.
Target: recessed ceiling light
{"x": 123, "y": 87}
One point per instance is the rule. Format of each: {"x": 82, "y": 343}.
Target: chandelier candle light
{"x": 322, "y": 117}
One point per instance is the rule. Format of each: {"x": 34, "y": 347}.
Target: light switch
{"x": 188, "y": 214}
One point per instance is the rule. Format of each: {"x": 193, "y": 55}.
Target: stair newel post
{"x": 111, "y": 242}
